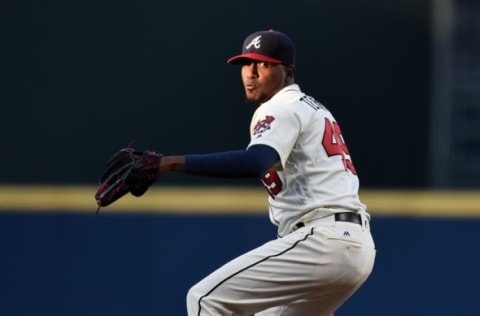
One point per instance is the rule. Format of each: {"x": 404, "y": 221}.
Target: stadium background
{"x": 73, "y": 72}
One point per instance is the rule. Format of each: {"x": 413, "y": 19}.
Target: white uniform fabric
{"x": 295, "y": 125}
{"x": 310, "y": 270}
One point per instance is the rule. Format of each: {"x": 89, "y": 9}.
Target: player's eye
{"x": 258, "y": 64}
{"x": 263, "y": 64}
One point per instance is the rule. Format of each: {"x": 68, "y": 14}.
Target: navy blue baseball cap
{"x": 267, "y": 46}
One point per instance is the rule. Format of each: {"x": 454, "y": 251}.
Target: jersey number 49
{"x": 333, "y": 144}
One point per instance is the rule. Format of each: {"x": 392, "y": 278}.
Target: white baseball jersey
{"x": 315, "y": 171}
{"x": 314, "y": 267}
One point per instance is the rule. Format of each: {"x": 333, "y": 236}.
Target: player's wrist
{"x": 169, "y": 164}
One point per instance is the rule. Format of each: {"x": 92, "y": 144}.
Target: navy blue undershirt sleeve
{"x": 252, "y": 162}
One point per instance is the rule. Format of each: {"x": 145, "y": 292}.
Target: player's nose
{"x": 250, "y": 69}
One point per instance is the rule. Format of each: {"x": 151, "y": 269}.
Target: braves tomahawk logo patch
{"x": 263, "y": 125}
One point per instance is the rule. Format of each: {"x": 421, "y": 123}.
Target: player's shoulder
{"x": 291, "y": 100}
{"x": 293, "y": 94}
{"x": 285, "y": 98}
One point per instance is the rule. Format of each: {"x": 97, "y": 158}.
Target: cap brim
{"x": 239, "y": 59}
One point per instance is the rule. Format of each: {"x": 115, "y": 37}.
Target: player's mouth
{"x": 250, "y": 86}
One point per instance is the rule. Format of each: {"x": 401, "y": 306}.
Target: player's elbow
{"x": 263, "y": 157}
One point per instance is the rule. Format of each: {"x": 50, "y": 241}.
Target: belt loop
{"x": 365, "y": 225}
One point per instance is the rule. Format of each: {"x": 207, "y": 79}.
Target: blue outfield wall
{"x": 123, "y": 264}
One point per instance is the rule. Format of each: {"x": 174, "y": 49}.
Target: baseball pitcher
{"x": 324, "y": 251}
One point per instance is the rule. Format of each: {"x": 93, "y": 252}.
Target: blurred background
{"x": 81, "y": 79}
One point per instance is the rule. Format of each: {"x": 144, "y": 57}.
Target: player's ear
{"x": 289, "y": 73}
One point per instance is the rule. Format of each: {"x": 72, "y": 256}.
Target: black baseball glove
{"x": 127, "y": 171}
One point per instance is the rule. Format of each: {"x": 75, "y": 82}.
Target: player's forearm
{"x": 171, "y": 163}
{"x": 230, "y": 164}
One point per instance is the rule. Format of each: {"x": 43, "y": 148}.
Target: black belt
{"x": 340, "y": 217}
{"x": 348, "y": 217}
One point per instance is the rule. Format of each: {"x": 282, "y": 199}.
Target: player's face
{"x": 262, "y": 80}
